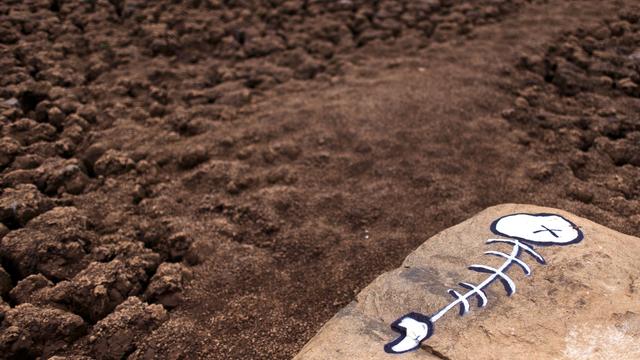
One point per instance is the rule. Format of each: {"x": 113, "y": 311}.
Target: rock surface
{"x": 582, "y": 304}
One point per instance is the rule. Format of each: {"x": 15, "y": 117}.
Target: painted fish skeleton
{"x": 523, "y": 232}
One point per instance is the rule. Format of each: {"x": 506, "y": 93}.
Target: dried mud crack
{"x": 214, "y": 179}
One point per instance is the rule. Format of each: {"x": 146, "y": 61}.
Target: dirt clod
{"x": 117, "y": 335}
{"x": 113, "y": 162}
{"x": 9, "y": 148}
{"x": 28, "y": 331}
{"x": 95, "y": 291}
{"x": 19, "y": 205}
{"x": 26, "y": 291}
{"x": 167, "y": 284}
{"x": 55, "y": 244}
{"x": 191, "y": 157}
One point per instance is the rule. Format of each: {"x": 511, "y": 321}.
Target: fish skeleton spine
{"x": 416, "y": 332}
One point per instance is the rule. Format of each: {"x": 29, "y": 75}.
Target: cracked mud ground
{"x": 215, "y": 179}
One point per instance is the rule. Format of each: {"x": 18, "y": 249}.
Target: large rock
{"x": 583, "y": 303}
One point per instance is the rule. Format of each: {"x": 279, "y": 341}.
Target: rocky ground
{"x": 215, "y": 179}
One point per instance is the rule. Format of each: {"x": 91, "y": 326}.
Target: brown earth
{"x": 214, "y": 179}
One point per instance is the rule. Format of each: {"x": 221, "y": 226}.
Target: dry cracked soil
{"x": 216, "y": 178}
